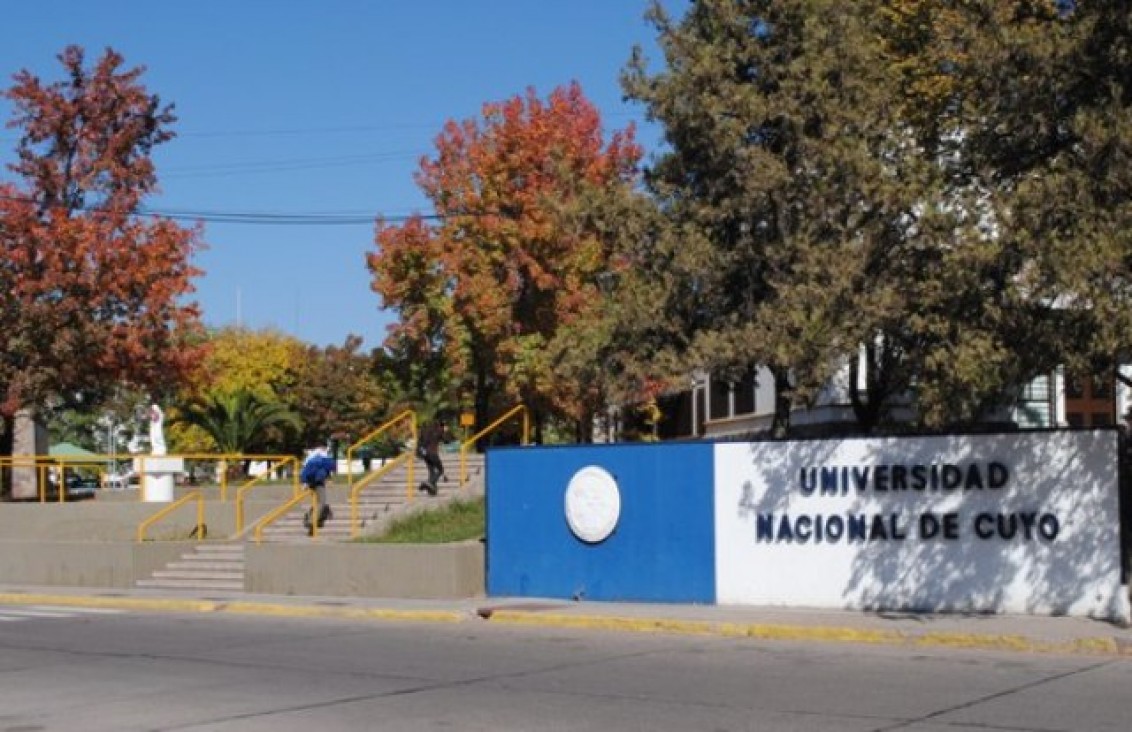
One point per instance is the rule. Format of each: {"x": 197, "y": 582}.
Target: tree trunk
{"x": 783, "y": 400}
{"x": 8, "y": 425}
{"x": 867, "y": 406}
{"x": 29, "y": 440}
{"x": 482, "y": 403}
{"x": 538, "y": 418}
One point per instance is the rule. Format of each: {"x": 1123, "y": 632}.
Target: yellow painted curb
{"x": 117, "y": 603}
{"x": 1012, "y": 643}
{"x": 1095, "y": 645}
{"x": 599, "y": 622}
{"x": 819, "y": 632}
{"x": 697, "y": 627}
{"x": 350, "y": 613}
{"x": 973, "y": 640}
{"x": 233, "y": 607}
{"x": 1080, "y": 646}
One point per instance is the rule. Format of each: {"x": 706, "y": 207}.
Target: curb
{"x": 116, "y": 603}
{"x": 1093, "y": 645}
{"x": 235, "y": 607}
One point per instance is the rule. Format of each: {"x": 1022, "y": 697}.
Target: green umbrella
{"x": 73, "y": 453}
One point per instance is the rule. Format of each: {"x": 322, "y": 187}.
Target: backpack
{"x": 316, "y": 470}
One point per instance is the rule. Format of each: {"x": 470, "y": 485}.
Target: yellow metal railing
{"x": 142, "y": 474}
{"x": 356, "y": 488}
{"x": 41, "y": 464}
{"x": 471, "y": 441}
{"x": 241, "y": 491}
{"x": 223, "y": 460}
{"x": 281, "y": 460}
{"x": 172, "y": 507}
{"x": 61, "y": 463}
{"x": 408, "y": 417}
{"x": 282, "y": 510}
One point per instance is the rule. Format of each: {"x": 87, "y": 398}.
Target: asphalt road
{"x": 98, "y": 669}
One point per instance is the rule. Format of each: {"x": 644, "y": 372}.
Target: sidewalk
{"x": 1025, "y": 634}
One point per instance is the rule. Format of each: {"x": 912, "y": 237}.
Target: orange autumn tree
{"x": 92, "y": 294}
{"x": 483, "y": 287}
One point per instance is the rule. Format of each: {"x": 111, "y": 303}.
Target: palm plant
{"x": 238, "y": 422}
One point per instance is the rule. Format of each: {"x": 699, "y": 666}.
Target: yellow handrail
{"x": 225, "y": 457}
{"x": 63, "y": 462}
{"x": 471, "y": 441}
{"x": 408, "y": 415}
{"x": 170, "y": 508}
{"x": 284, "y": 460}
{"x": 274, "y": 515}
{"x": 222, "y": 457}
{"x": 40, "y": 463}
{"x": 356, "y": 489}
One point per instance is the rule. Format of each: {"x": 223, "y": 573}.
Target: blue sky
{"x": 322, "y": 107}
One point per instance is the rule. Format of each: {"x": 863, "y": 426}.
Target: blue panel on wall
{"x": 661, "y": 550}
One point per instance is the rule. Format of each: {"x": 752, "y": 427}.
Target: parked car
{"x": 120, "y": 481}
{"x": 78, "y": 488}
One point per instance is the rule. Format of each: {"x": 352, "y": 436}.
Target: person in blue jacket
{"x": 317, "y": 469}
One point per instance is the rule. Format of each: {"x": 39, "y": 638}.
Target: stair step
{"x": 213, "y": 557}
{"x": 186, "y": 574}
{"x": 221, "y": 566}
{"x": 206, "y": 565}
{"x": 304, "y": 536}
{"x": 380, "y": 501}
{"x": 215, "y": 549}
{"x": 193, "y": 584}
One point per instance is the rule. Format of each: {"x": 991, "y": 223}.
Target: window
{"x": 720, "y": 399}
{"x": 1035, "y": 406}
{"x": 745, "y": 395}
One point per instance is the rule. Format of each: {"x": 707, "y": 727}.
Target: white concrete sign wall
{"x": 1005, "y": 523}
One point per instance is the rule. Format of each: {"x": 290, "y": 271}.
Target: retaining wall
{"x": 111, "y": 565}
{"x": 418, "y": 571}
{"x": 92, "y": 544}
{"x": 1019, "y": 522}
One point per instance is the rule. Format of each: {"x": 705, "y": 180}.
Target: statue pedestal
{"x": 157, "y": 476}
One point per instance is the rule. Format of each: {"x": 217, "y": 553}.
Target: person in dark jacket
{"x": 432, "y": 436}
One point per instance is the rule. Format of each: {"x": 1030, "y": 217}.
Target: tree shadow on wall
{"x": 1011, "y": 564}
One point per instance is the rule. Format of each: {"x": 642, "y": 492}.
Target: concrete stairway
{"x": 383, "y": 501}
{"x": 210, "y": 566}
{"x": 220, "y": 565}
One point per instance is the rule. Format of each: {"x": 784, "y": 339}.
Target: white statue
{"x": 156, "y": 431}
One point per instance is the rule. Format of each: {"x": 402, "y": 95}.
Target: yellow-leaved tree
{"x": 263, "y": 363}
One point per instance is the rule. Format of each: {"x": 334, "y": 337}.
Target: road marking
{"x": 51, "y": 612}
{"x": 84, "y": 610}
{"x": 34, "y": 613}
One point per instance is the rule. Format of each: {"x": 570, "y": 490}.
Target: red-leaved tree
{"x": 91, "y": 293}
{"x": 492, "y": 282}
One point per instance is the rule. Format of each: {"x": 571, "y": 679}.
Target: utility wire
{"x": 282, "y": 166}
{"x": 349, "y": 129}
{"x": 263, "y": 218}
{"x": 638, "y": 117}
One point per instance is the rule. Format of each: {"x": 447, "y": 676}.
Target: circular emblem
{"x": 593, "y": 504}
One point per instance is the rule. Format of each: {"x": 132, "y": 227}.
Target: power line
{"x": 263, "y": 218}
{"x": 638, "y": 117}
{"x": 267, "y": 218}
{"x": 298, "y": 131}
{"x": 350, "y": 129}
{"x": 285, "y": 165}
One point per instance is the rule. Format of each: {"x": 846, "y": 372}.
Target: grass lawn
{"x": 458, "y": 521}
